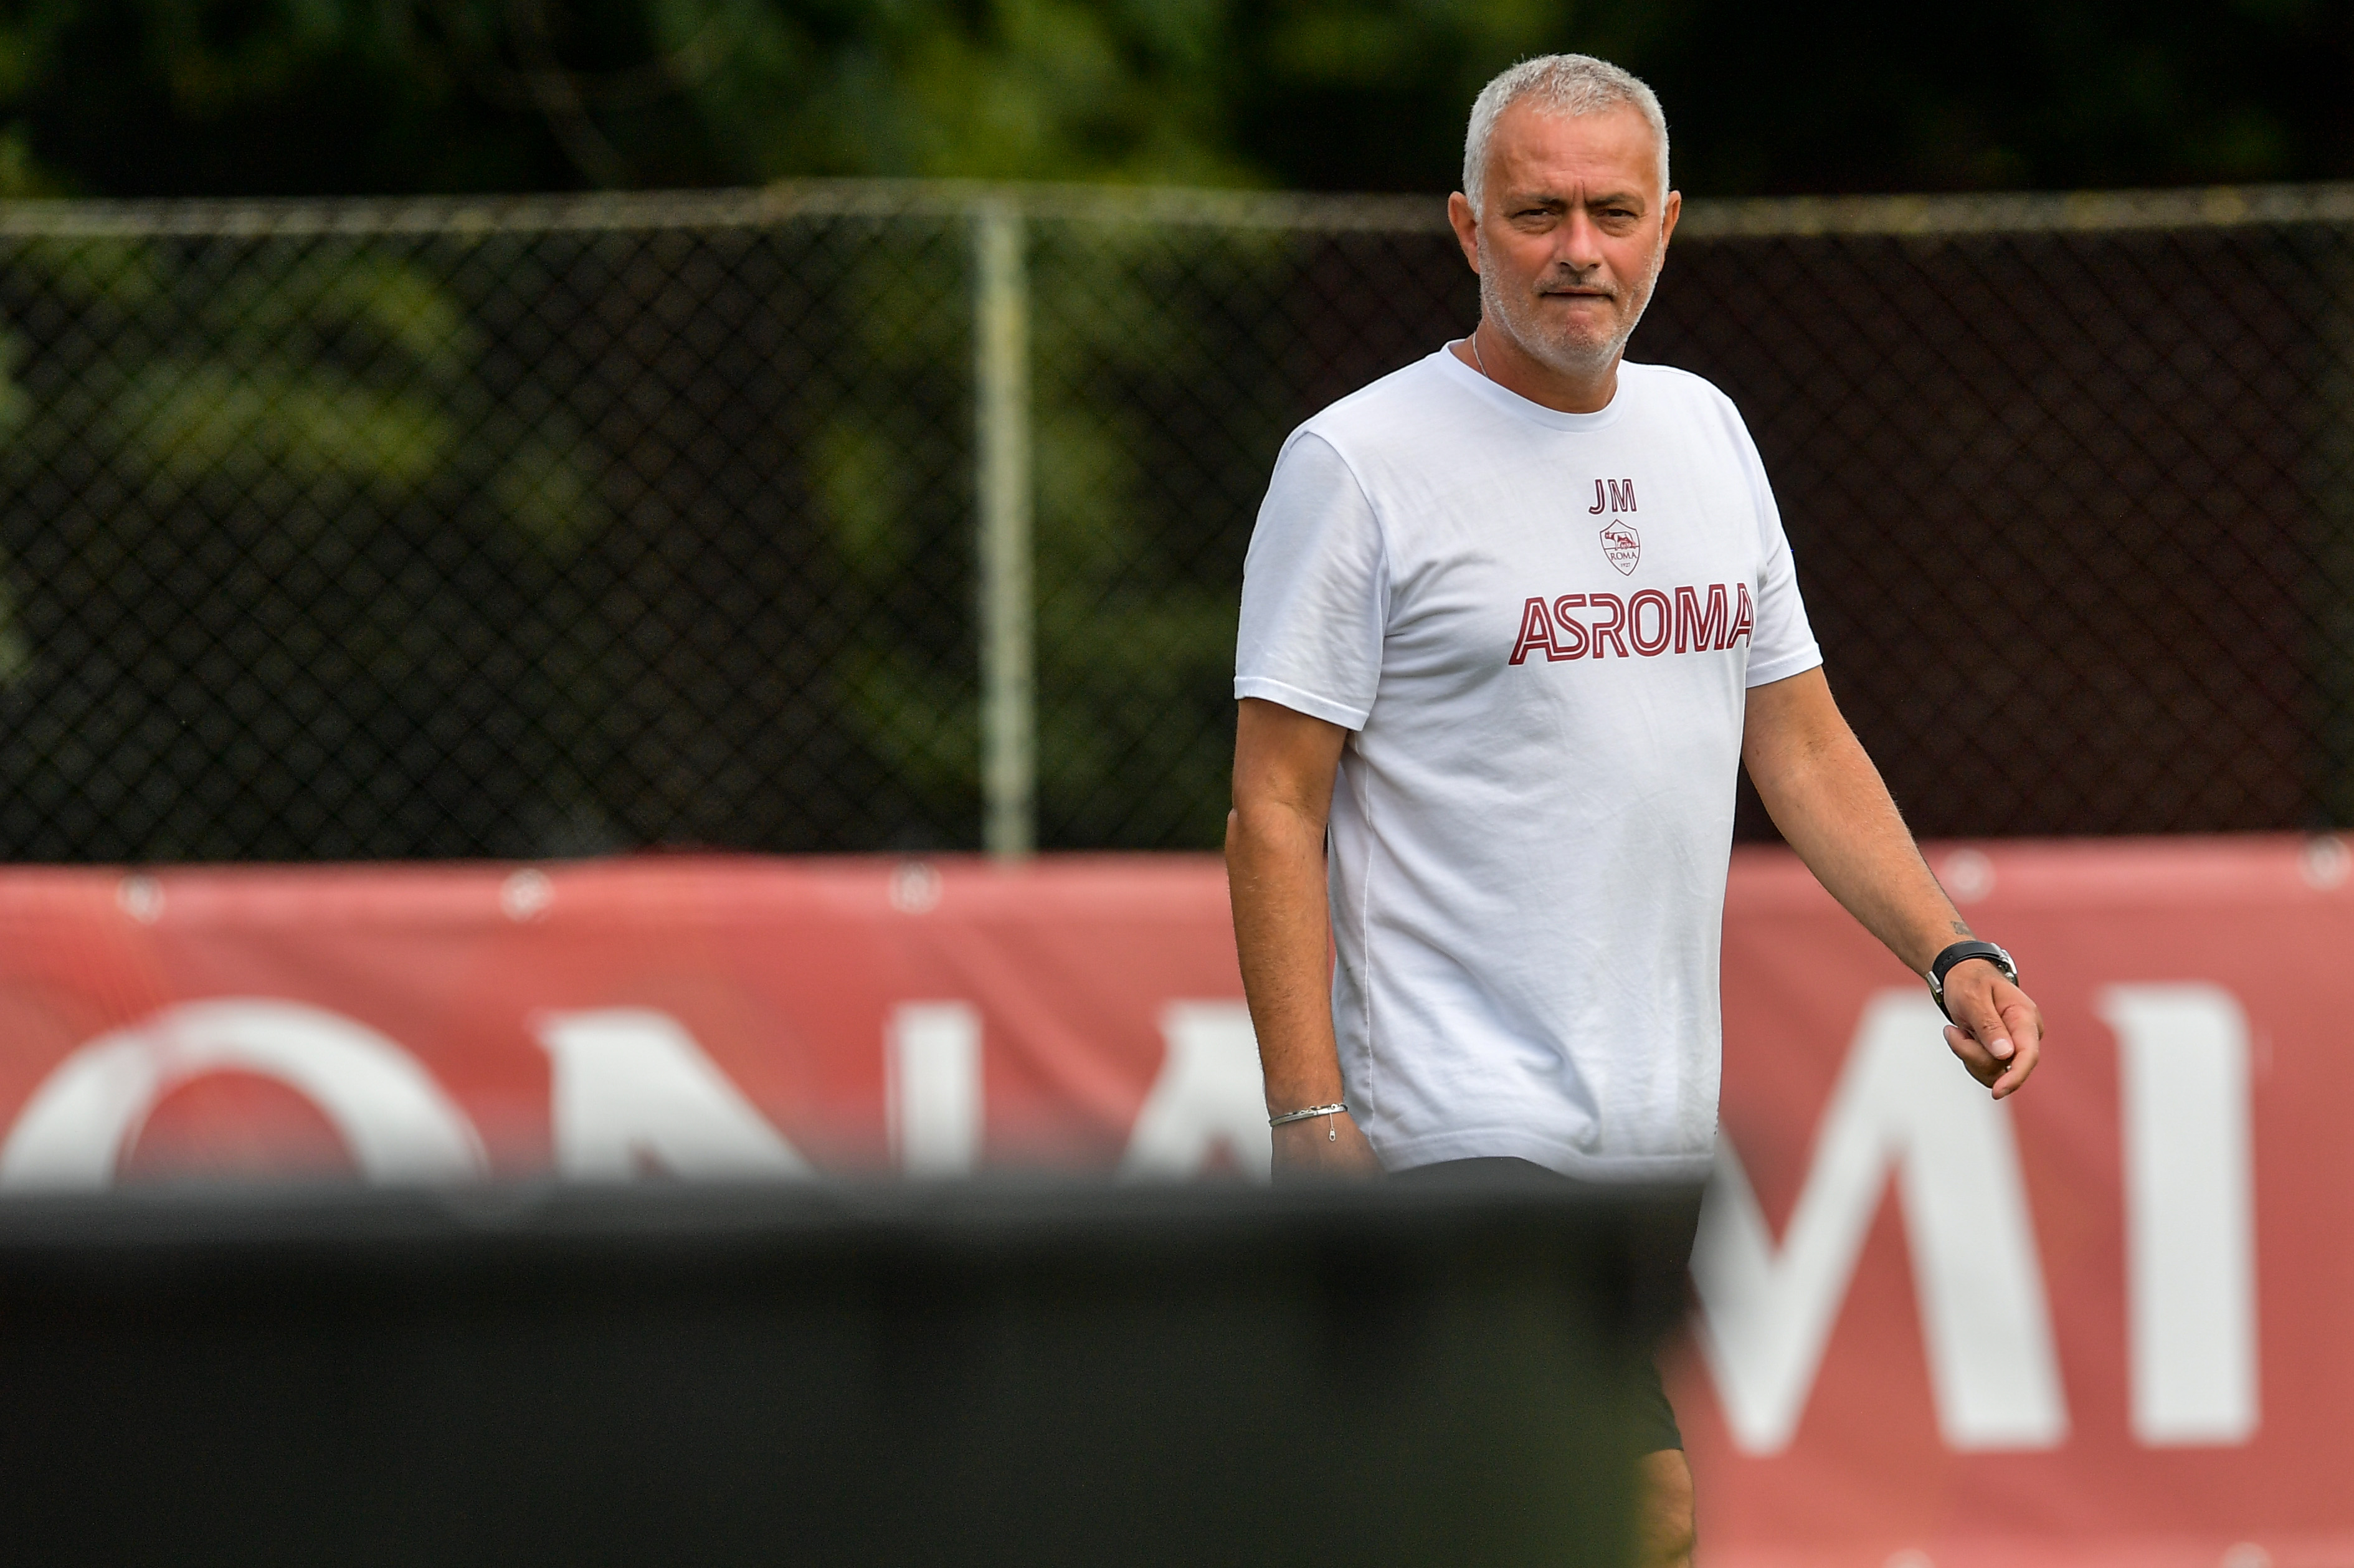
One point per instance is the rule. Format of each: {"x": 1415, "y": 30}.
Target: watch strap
{"x": 1962, "y": 953}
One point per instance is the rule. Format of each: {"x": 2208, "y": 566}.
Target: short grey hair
{"x": 1557, "y": 84}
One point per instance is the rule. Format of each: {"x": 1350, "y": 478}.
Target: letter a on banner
{"x": 1209, "y": 1093}
{"x": 1765, "y": 1316}
{"x": 632, "y": 1085}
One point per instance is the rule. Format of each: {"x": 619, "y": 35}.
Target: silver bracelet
{"x": 1339, "y": 1109}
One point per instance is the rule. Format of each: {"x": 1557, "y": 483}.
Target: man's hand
{"x": 1323, "y": 1146}
{"x": 1997, "y": 1029}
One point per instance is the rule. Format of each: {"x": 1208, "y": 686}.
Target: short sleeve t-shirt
{"x": 1541, "y": 628}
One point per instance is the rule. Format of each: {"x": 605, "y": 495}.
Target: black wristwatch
{"x": 1962, "y": 953}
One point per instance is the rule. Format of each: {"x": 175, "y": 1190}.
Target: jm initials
{"x": 1619, "y": 496}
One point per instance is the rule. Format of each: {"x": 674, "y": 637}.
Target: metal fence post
{"x": 1009, "y": 764}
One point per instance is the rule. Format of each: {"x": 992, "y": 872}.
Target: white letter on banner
{"x": 932, "y": 1081}
{"x": 1764, "y": 1319}
{"x": 631, "y": 1085}
{"x": 1209, "y": 1092}
{"x": 2182, "y": 1076}
{"x": 397, "y": 1122}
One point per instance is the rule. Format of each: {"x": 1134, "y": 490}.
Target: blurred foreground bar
{"x": 949, "y": 1374}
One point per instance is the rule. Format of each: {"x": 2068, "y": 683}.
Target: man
{"x": 1512, "y": 618}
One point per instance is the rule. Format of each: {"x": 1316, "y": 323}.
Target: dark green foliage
{"x": 177, "y": 97}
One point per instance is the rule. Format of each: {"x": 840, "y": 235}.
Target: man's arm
{"x": 1828, "y": 798}
{"x": 1285, "y": 763}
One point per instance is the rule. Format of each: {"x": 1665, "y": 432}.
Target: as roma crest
{"x": 1622, "y": 546}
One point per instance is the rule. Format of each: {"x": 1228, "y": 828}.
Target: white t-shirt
{"x": 1541, "y": 627}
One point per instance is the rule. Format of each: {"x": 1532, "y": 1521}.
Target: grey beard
{"x": 1577, "y": 360}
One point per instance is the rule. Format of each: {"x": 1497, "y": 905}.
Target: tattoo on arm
{"x": 1961, "y": 928}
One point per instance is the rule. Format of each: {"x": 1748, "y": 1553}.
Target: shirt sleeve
{"x": 1315, "y": 591}
{"x": 1782, "y": 643}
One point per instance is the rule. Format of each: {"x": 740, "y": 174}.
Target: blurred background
{"x": 522, "y": 434}
{"x": 183, "y": 99}
{"x": 400, "y": 517}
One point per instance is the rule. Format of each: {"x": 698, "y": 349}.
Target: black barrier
{"x": 809, "y": 1376}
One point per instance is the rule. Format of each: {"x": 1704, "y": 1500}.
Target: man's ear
{"x": 1465, "y": 224}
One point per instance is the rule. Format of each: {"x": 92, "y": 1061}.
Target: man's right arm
{"x": 1285, "y": 764}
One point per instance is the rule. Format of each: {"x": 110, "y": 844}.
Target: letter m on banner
{"x": 1767, "y": 1314}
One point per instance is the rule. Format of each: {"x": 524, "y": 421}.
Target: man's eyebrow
{"x": 1522, "y": 201}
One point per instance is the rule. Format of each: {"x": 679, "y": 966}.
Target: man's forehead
{"x": 1535, "y": 153}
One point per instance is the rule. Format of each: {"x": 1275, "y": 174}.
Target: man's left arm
{"x": 1828, "y": 799}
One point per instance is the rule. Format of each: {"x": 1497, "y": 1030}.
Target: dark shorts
{"x": 1655, "y": 1417}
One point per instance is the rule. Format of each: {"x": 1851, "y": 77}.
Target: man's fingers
{"x": 1987, "y": 1026}
{"x": 2026, "y": 1027}
{"x": 2022, "y": 1032}
{"x": 1974, "y": 1056}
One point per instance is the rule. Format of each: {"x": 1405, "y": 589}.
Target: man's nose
{"x": 1579, "y": 246}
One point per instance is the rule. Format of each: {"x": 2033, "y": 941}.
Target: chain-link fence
{"x": 856, "y": 517}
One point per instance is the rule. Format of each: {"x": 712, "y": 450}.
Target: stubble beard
{"x": 1581, "y": 359}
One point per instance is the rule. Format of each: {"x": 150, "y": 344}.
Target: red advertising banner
{"x": 2103, "y": 1324}
{"x": 2099, "y": 1324}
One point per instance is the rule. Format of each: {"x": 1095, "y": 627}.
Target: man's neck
{"x": 1502, "y": 361}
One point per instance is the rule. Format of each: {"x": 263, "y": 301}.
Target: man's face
{"x": 1572, "y": 231}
